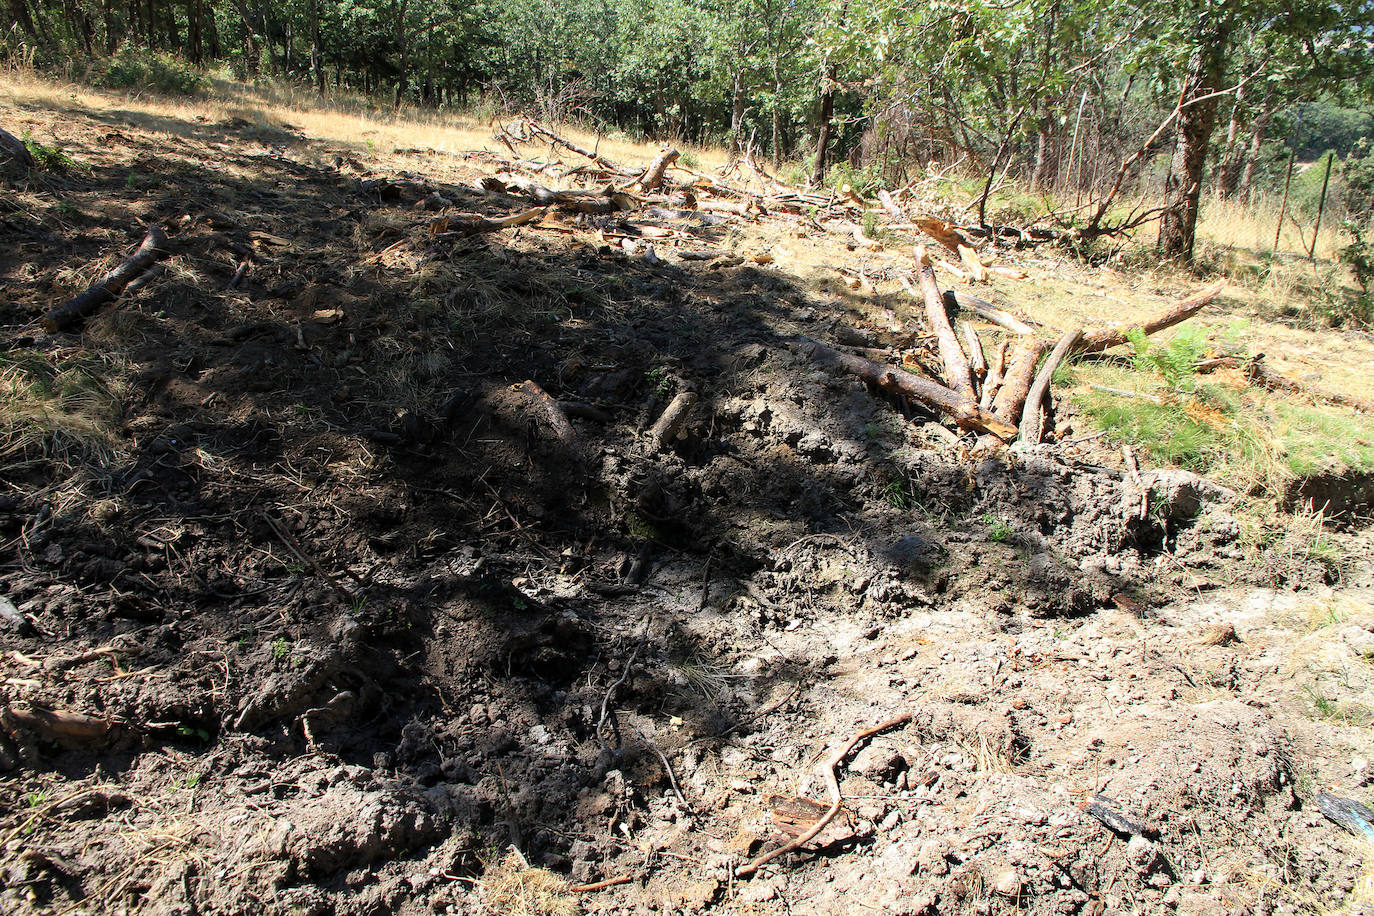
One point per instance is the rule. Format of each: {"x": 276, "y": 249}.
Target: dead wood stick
{"x": 668, "y": 423}
{"x": 977, "y": 360}
{"x": 1257, "y": 373}
{"x": 832, "y": 766}
{"x": 972, "y": 263}
{"x": 932, "y": 394}
{"x": 600, "y": 885}
{"x": 62, "y": 726}
{"x": 568, "y": 144}
{"x": 1006, "y": 407}
{"x": 465, "y": 224}
{"x": 562, "y": 428}
{"x": 994, "y": 379}
{"x": 985, "y": 309}
{"x": 890, "y": 205}
{"x": 16, "y": 149}
{"x": 1104, "y": 338}
{"x": 653, "y": 176}
{"x": 285, "y": 537}
{"x": 1033, "y": 416}
{"x": 957, "y": 374}
{"x": 108, "y": 287}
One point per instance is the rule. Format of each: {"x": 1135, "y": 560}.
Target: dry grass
{"x": 1235, "y": 224}
{"x": 513, "y": 887}
{"x": 340, "y": 120}
{"x": 56, "y": 406}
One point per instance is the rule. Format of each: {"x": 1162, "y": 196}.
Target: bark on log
{"x": 665, "y": 429}
{"x": 986, "y": 310}
{"x": 653, "y": 177}
{"x": 16, "y": 149}
{"x": 1033, "y": 416}
{"x": 1006, "y": 407}
{"x": 957, "y": 375}
{"x": 108, "y": 287}
{"x": 1105, "y": 338}
{"x": 994, "y": 379}
{"x": 932, "y": 394}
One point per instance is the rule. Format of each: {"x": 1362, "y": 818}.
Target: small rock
{"x": 1142, "y": 854}
{"x": 1008, "y": 883}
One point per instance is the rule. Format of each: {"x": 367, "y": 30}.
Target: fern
{"x": 1176, "y": 360}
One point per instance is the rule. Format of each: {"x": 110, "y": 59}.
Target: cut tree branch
{"x": 108, "y": 287}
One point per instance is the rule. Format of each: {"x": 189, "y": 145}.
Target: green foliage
{"x": 139, "y": 69}
{"x": 51, "y": 158}
{"x": 1359, "y": 256}
{"x": 281, "y": 648}
{"x": 1176, "y": 360}
{"x": 999, "y": 532}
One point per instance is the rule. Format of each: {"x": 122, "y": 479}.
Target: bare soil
{"x": 346, "y": 619}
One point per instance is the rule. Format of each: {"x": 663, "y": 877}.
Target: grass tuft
{"x": 513, "y": 887}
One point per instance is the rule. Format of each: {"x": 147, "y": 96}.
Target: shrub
{"x": 140, "y": 69}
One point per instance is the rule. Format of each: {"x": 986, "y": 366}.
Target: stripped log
{"x": 1006, "y": 407}
{"x": 108, "y": 287}
{"x": 986, "y": 310}
{"x": 464, "y": 224}
{"x": 973, "y": 265}
{"x": 1033, "y": 416}
{"x": 932, "y": 394}
{"x": 994, "y": 379}
{"x": 890, "y": 205}
{"x": 653, "y": 176}
{"x": 1105, "y": 338}
{"x": 957, "y": 374}
{"x": 977, "y": 360}
{"x": 666, "y": 428}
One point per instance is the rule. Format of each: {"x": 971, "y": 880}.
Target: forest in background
{"x": 1081, "y": 102}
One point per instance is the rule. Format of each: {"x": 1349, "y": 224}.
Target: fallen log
{"x": 557, "y": 418}
{"x": 69, "y": 729}
{"x": 1016, "y": 384}
{"x": 1105, "y": 338}
{"x": 946, "y": 233}
{"x": 466, "y": 224}
{"x": 665, "y": 429}
{"x": 978, "y": 361}
{"x": 16, "y": 149}
{"x": 108, "y": 287}
{"x": 890, "y": 205}
{"x": 986, "y": 310}
{"x": 932, "y": 394}
{"x": 957, "y": 374}
{"x": 973, "y": 265}
{"x": 1257, "y": 373}
{"x": 653, "y": 176}
{"x": 994, "y": 379}
{"x": 1033, "y": 416}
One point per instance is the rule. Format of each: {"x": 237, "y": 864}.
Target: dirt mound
{"x": 316, "y": 611}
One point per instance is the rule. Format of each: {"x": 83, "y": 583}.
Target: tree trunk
{"x": 1229, "y": 172}
{"x": 20, "y": 11}
{"x": 1183, "y": 185}
{"x": 737, "y": 114}
{"x": 1257, "y": 128}
{"x": 827, "y": 112}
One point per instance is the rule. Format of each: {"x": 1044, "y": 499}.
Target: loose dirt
{"x": 343, "y": 620}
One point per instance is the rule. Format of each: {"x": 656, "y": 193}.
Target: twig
{"x": 600, "y": 885}
{"x": 606, "y": 700}
{"x": 667, "y": 768}
{"x": 837, "y": 799}
{"x": 285, "y": 537}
